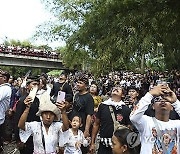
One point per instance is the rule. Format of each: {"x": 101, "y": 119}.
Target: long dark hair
{"x": 97, "y": 87}
{"x": 126, "y": 137}
{"x": 44, "y": 82}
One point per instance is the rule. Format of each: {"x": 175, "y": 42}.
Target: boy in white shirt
{"x": 76, "y": 138}
{"x": 45, "y": 133}
{"x": 155, "y": 130}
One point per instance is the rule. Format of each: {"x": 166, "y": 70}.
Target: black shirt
{"x": 61, "y": 86}
{"x": 83, "y": 105}
{"x": 106, "y": 121}
{"x": 31, "y": 115}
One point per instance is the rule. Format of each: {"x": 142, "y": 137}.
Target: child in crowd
{"x": 76, "y": 137}
{"x": 124, "y": 141}
{"x": 45, "y": 133}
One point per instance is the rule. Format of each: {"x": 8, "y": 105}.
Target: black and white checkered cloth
{"x": 106, "y": 141}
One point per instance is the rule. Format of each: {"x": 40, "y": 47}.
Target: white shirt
{"x": 51, "y": 138}
{"x": 48, "y": 89}
{"x": 71, "y": 140}
{"x": 123, "y": 82}
{"x": 138, "y": 84}
{"x": 150, "y": 143}
{"x": 5, "y": 96}
{"x": 128, "y": 83}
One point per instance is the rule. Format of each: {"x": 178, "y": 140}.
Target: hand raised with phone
{"x": 158, "y": 90}
{"x": 28, "y": 101}
{"x": 61, "y": 106}
{"x": 60, "y": 102}
{"x": 60, "y": 96}
{"x": 169, "y": 95}
{"x": 33, "y": 92}
{"x": 165, "y": 92}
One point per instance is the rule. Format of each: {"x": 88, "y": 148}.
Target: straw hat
{"x": 49, "y": 106}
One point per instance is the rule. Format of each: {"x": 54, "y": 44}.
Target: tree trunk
{"x": 142, "y": 63}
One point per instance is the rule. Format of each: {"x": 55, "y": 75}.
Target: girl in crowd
{"x": 94, "y": 91}
{"x": 76, "y": 138}
{"x": 124, "y": 141}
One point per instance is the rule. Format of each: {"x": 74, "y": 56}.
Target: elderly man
{"x": 5, "y": 95}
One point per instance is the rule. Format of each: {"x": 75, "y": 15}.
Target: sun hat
{"x": 49, "y": 106}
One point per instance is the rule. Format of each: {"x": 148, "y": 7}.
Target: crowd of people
{"x": 27, "y": 51}
{"x": 122, "y": 112}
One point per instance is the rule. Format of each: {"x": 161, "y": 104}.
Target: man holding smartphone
{"x": 61, "y": 85}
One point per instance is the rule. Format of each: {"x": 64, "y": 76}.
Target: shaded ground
{"x": 10, "y": 149}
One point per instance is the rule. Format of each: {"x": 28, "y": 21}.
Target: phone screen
{"x": 61, "y": 96}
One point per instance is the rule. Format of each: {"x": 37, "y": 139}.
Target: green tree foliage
{"x": 21, "y": 71}
{"x": 116, "y": 34}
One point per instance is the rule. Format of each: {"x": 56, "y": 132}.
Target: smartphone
{"x": 61, "y": 96}
{"x": 33, "y": 92}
